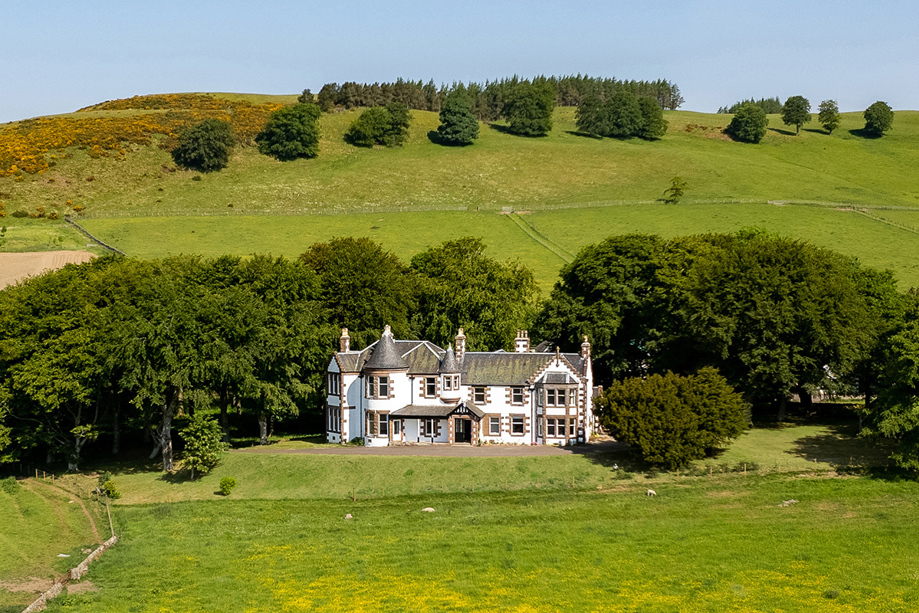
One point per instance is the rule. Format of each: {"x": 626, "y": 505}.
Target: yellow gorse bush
{"x": 27, "y": 145}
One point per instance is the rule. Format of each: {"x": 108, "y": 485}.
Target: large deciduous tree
{"x": 291, "y": 132}
{"x": 748, "y": 124}
{"x": 796, "y": 112}
{"x": 828, "y": 115}
{"x": 459, "y": 286}
{"x": 528, "y": 108}
{"x": 205, "y": 146}
{"x": 878, "y": 118}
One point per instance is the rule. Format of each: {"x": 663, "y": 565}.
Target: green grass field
{"x": 38, "y": 521}
{"x": 507, "y": 534}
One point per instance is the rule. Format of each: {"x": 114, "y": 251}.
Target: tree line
{"x": 487, "y": 99}
{"x": 116, "y": 348}
{"x": 774, "y": 316}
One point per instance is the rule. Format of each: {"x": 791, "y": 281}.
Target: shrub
{"x": 205, "y": 146}
{"x": 749, "y": 124}
{"x": 226, "y": 485}
{"x": 378, "y": 125}
{"x": 203, "y": 444}
{"x": 291, "y": 133}
{"x": 671, "y": 420}
{"x": 9, "y": 485}
{"x": 110, "y": 490}
{"x": 20, "y": 213}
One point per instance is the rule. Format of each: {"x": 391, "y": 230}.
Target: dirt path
{"x": 17, "y": 266}
{"x": 77, "y": 499}
{"x": 449, "y": 451}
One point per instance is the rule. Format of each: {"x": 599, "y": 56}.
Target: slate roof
{"x": 385, "y": 355}
{"x": 435, "y": 410}
{"x": 493, "y": 368}
{"x": 450, "y": 364}
{"x": 422, "y": 357}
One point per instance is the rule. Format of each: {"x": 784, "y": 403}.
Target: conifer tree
{"x": 458, "y": 126}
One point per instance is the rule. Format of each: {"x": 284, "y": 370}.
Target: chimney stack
{"x": 345, "y": 340}
{"x": 585, "y": 348}
{"x": 460, "y": 345}
{"x": 522, "y": 342}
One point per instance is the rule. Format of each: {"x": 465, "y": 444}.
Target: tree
{"x": 796, "y": 112}
{"x": 203, "y": 444}
{"x": 363, "y": 287}
{"x": 653, "y": 124}
{"x": 327, "y": 96}
{"x": 459, "y": 286}
{"x": 624, "y": 115}
{"x": 291, "y": 132}
{"x": 674, "y": 193}
{"x": 205, "y": 146}
{"x": 458, "y": 126}
{"x": 749, "y": 124}
{"x": 379, "y": 125}
{"x": 528, "y": 108}
{"x": 828, "y": 115}
{"x": 671, "y": 420}
{"x": 306, "y": 97}
{"x": 894, "y": 414}
{"x": 399, "y": 120}
{"x": 591, "y": 116}
{"x": 878, "y": 118}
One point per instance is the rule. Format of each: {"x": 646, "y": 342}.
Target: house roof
{"x": 421, "y": 357}
{"x": 493, "y": 368}
{"x": 436, "y": 410}
{"x": 450, "y": 364}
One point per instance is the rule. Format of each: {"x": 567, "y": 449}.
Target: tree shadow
{"x": 816, "y": 131}
{"x": 584, "y": 134}
{"x": 497, "y": 127}
{"x": 783, "y": 131}
{"x": 434, "y": 137}
{"x": 841, "y": 448}
{"x": 179, "y": 476}
{"x": 866, "y": 134}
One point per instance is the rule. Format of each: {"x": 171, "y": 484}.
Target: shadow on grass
{"x": 866, "y": 134}
{"x": 783, "y": 131}
{"x": 434, "y": 137}
{"x": 816, "y": 131}
{"x": 584, "y": 134}
{"x": 841, "y": 448}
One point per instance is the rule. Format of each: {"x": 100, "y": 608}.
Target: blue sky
{"x": 57, "y": 56}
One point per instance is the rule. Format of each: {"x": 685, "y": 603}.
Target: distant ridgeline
{"x": 770, "y": 105}
{"x": 487, "y": 97}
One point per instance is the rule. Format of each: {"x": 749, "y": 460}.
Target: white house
{"x": 397, "y": 391}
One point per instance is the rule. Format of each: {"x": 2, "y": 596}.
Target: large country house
{"x": 411, "y": 392}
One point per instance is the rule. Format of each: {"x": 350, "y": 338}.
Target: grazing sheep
{"x": 348, "y": 516}
{"x": 651, "y": 493}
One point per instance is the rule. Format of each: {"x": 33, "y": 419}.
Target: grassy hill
{"x": 578, "y": 190}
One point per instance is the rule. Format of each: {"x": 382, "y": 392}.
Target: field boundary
{"x": 87, "y": 233}
{"x": 75, "y": 573}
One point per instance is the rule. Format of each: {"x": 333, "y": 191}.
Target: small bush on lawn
{"x": 226, "y": 485}
{"x": 9, "y": 485}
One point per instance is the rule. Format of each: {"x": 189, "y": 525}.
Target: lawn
{"x": 723, "y": 545}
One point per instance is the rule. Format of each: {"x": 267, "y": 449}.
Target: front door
{"x": 463, "y": 430}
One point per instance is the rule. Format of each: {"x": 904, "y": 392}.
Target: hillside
{"x": 134, "y": 197}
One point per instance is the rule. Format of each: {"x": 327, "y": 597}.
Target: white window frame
{"x": 515, "y": 392}
{"x": 477, "y": 392}
{"x": 518, "y": 420}
{"x": 494, "y": 421}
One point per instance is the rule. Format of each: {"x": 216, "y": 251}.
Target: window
{"x": 430, "y": 387}
{"x": 371, "y": 424}
{"x": 494, "y": 426}
{"x": 333, "y": 384}
{"x": 384, "y": 424}
{"x": 550, "y": 427}
{"x": 539, "y": 426}
{"x": 516, "y": 395}
{"x": 561, "y": 428}
{"x": 478, "y": 395}
{"x": 448, "y": 382}
{"x": 517, "y": 425}
{"x": 428, "y": 427}
{"x": 396, "y": 427}
{"x": 377, "y": 387}
{"x": 384, "y": 387}
{"x": 555, "y": 397}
